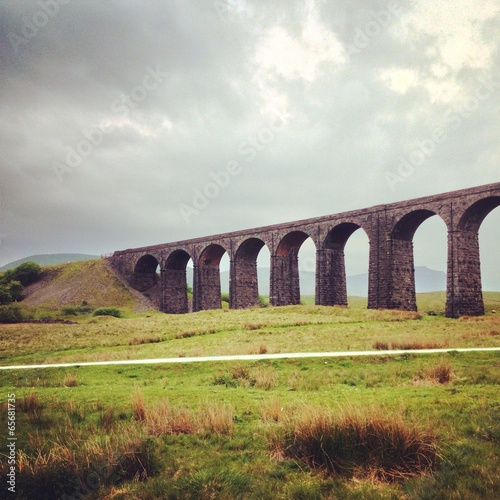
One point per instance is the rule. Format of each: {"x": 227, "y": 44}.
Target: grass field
{"x": 245, "y": 429}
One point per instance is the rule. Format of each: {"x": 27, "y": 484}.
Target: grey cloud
{"x": 346, "y": 127}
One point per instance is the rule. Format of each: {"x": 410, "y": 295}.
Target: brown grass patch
{"x": 364, "y": 443}
{"x": 163, "y": 419}
{"x": 253, "y": 326}
{"x": 70, "y": 381}
{"x": 381, "y": 346}
{"x": 439, "y": 374}
{"x": 145, "y": 340}
{"x": 416, "y": 345}
{"x": 31, "y": 405}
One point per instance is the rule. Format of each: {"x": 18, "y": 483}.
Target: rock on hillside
{"x": 93, "y": 281}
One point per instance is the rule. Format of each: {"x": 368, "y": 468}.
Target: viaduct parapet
{"x": 390, "y": 229}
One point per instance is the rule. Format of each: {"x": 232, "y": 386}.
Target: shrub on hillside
{"x": 12, "y": 313}
{"x": 108, "y": 311}
{"x": 5, "y": 296}
{"x": 25, "y": 273}
{"x": 13, "y": 281}
{"x": 75, "y": 310}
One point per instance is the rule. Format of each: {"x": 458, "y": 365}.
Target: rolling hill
{"x": 50, "y": 259}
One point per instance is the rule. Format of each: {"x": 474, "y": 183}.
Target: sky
{"x": 132, "y": 123}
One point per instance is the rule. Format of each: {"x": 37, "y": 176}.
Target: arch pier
{"x": 391, "y": 283}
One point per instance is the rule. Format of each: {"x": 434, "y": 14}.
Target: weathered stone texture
{"x": 390, "y": 229}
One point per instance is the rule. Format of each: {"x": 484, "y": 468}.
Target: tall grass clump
{"x": 75, "y": 464}
{"x": 32, "y": 406}
{"x": 365, "y": 443}
{"x": 164, "y": 419}
{"x": 217, "y": 418}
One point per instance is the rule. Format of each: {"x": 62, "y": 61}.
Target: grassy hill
{"x": 92, "y": 281}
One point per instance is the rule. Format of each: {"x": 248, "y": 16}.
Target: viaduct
{"x": 390, "y": 229}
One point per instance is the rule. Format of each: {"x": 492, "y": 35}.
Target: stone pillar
{"x": 464, "y": 294}
{"x": 244, "y": 288}
{"x": 206, "y": 288}
{"x": 379, "y": 268}
{"x": 285, "y": 285}
{"x": 402, "y": 276}
{"x": 174, "y": 291}
{"x": 332, "y": 279}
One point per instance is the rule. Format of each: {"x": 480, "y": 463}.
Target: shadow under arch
{"x": 145, "y": 273}
{"x": 244, "y": 283}
{"x": 465, "y": 294}
{"x": 285, "y": 282}
{"x": 174, "y": 280}
{"x": 332, "y": 288}
{"x": 206, "y": 286}
{"x": 402, "y": 293}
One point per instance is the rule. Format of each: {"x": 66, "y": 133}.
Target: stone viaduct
{"x": 390, "y": 229}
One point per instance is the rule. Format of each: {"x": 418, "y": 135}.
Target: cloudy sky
{"x": 129, "y": 123}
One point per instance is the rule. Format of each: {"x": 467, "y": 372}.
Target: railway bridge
{"x": 391, "y": 275}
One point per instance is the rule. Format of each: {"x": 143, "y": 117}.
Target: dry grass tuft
{"x": 106, "y": 418}
{"x": 70, "y": 381}
{"x": 217, "y": 418}
{"x": 366, "y": 443}
{"x": 272, "y": 410}
{"x": 145, "y": 340}
{"x": 138, "y": 406}
{"x": 439, "y": 374}
{"x": 31, "y": 405}
{"x": 415, "y": 345}
{"x": 124, "y": 454}
{"x": 253, "y": 326}
{"x": 163, "y": 419}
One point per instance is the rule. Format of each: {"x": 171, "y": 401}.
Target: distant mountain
{"x": 50, "y": 259}
{"x": 426, "y": 280}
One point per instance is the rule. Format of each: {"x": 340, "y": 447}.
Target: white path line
{"x": 253, "y": 357}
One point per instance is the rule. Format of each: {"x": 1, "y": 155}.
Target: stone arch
{"x": 207, "y": 292}
{"x": 465, "y": 289}
{"x": 244, "y": 280}
{"x": 174, "y": 280}
{"x": 144, "y": 276}
{"x": 291, "y": 242}
{"x": 475, "y": 214}
{"x": 285, "y": 282}
{"x": 406, "y": 226}
{"x": 332, "y": 288}
{"x": 402, "y": 294}
{"x": 337, "y": 237}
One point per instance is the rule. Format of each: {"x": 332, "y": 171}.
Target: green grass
{"x": 219, "y": 332}
{"x": 192, "y": 459}
{"x": 231, "y": 429}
